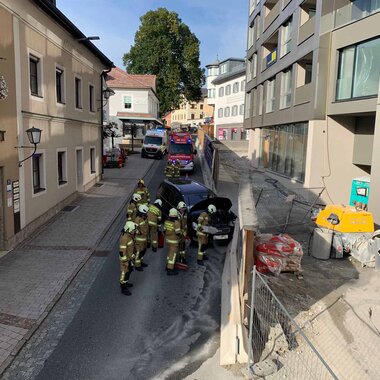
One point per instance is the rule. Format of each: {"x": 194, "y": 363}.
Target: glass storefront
{"x": 284, "y": 150}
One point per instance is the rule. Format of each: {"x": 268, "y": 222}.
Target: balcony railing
{"x": 302, "y": 94}
{"x": 306, "y": 30}
{"x": 272, "y": 15}
{"x": 354, "y": 11}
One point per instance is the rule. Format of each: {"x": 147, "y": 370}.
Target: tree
{"x": 165, "y": 46}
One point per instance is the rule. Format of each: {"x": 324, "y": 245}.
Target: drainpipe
{"x": 102, "y": 75}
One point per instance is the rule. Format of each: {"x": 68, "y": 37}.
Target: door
{"x": 79, "y": 165}
{"x": 1, "y": 211}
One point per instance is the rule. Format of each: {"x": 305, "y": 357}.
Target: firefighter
{"x": 141, "y": 237}
{"x": 133, "y": 206}
{"x": 143, "y": 191}
{"x": 182, "y": 216}
{"x": 177, "y": 168}
{"x": 203, "y": 221}
{"x": 172, "y": 229}
{"x": 154, "y": 216}
{"x": 126, "y": 256}
{"x": 169, "y": 169}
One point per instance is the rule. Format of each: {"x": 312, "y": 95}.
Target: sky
{"x": 220, "y": 25}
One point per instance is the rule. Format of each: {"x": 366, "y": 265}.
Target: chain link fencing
{"x": 279, "y": 348}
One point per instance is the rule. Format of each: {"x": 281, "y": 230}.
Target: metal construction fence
{"x": 280, "y": 209}
{"x": 279, "y": 349}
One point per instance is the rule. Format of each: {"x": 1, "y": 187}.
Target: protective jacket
{"x": 203, "y": 220}
{"x": 131, "y": 210}
{"x": 144, "y": 193}
{"x": 154, "y": 215}
{"x": 169, "y": 171}
{"x": 172, "y": 230}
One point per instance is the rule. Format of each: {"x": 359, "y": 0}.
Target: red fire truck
{"x": 181, "y": 148}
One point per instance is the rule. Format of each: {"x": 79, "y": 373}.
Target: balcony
{"x": 269, "y": 51}
{"x": 273, "y": 11}
{"x": 353, "y": 11}
{"x": 303, "y": 94}
{"x": 306, "y": 30}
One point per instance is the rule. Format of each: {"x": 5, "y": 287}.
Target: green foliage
{"x": 165, "y": 46}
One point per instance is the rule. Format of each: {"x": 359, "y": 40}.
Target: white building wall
{"x": 140, "y": 101}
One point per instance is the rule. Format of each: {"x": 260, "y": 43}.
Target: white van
{"x": 155, "y": 143}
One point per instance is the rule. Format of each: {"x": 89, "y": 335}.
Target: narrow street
{"x": 166, "y": 329}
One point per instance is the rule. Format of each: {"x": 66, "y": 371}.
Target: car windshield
{"x": 192, "y": 199}
{"x": 153, "y": 140}
{"x": 181, "y": 148}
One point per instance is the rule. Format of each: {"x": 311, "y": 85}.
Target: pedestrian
{"x": 177, "y": 168}
{"x": 127, "y": 245}
{"x": 182, "y": 216}
{"x": 204, "y": 221}
{"x": 172, "y": 229}
{"x": 154, "y": 216}
{"x": 169, "y": 170}
{"x": 143, "y": 191}
{"x": 133, "y": 206}
{"x": 141, "y": 237}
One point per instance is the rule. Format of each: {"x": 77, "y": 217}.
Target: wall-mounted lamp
{"x": 34, "y": 136}
{"x": 2, "y": 135}
{"x": 107, "y": 93}
{"x": 90, "y": 38}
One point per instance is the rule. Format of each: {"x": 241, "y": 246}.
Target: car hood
{"x": 220, "y": 203}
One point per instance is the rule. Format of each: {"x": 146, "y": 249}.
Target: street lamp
{"x": 34, "y": 136}
{"x": 89, "y": 38}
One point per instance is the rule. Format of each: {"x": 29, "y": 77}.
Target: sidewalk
{"x": 35, "y": 274}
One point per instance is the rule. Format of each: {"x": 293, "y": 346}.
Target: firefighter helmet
{"x": 141, "y": 182}
{"x": 136, "y": 197}
{"x": 211, "y": 209}
{"x": 143, "y": 209}
{"x": 181, "y": 205}
{"x": 130, "y": 226}
{"x": 173, "y": 213}
{"x": 158, "y": 202}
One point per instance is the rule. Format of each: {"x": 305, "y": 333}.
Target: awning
{"x": 137, "y": 118}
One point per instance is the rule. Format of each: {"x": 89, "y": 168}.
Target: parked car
{"x": 197, "y": 197}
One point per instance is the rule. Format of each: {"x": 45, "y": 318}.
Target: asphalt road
{"x": 165, "y": 330}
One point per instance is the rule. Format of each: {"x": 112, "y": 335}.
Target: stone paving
{"x": 34, "y": 276}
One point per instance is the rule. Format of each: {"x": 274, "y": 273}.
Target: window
{"x": 201, "y": 106}
{"x": 251, "y": 36}
{"x": 235, "y": 88}
{"x": 286, "y": 89}
{"x": 227, "y": 112}
{"x": 92, "y": 161}
{"x": 192, "y": 116}
{"x": 220, "y": 112}
{"x": 286, "y": 38}
{"x": 247, "y": 105}
{"x": 287, "y": 149}
{"x": 91, "y": 95}
{"x": 249, "y": 70}
{"x": 270, "y": 99}
{"x": 241, "y": 109}
{"x": 35, "y": 75}
{"x": 223, "y": 68}
{"x": 261, "y": 99}
{"x": 254, "y": 65}
{"x": 254, "y": 102}
{"x": 60, "y": 85}
{"x": 61, "y": 162}
{"x": 37, "y": 168}
{"x": 234, "y": 110}
{"x": 242, "y": 86}
{"x": 78, "y": 93}
{"x": 212, "y": 71}
{"x": 359, "y": 70}
{"x": 128, "y": 102}
{"x": 258, "y": 27}
{"x": 228, "y": 90}
{"x": 221, "y": 91}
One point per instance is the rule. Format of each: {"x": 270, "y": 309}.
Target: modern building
{"x": 192, "y": 113}
{"x": 134, "y": 105}
{"x": 229, "y": 101}
{"x": 312, "y": 93}
{"x": 52, "y": 75}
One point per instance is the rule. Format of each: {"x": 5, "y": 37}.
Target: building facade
{"x": 229, "y": 104}
{"x": 134, "y": 105}
{"x": 53, "y": 75}
{"x": 312, "y": 93}
{"x": 192, "y": 113}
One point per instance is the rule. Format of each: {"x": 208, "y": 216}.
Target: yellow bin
{"x": 350, "y": 219}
